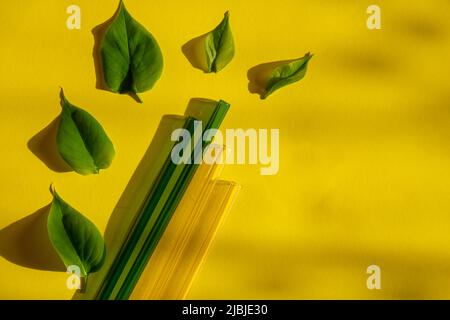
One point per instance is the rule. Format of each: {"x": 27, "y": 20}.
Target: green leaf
{"x": 131, "y": 58}
{"x": 219, "y": 46}
{"x": 81, "y": 140}
{"x": 76, "y": 239}
{"x": 287, "y": 73}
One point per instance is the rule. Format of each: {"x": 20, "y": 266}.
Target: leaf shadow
{"x": 194, "y": 51}
{"x": 259, "y": 75}
{"x": 43, "y": 146}
{"x": 98, "y": 33}
{"x": 26, "y": 243}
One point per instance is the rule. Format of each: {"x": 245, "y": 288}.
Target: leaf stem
{"x": 135, "y": 96}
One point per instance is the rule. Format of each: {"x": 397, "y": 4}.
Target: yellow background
{"x": 364, "y": 140}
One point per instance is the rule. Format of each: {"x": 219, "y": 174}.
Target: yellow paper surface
{"x": 364, "y": 159}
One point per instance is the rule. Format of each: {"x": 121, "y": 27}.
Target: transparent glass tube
{"x": 184, "y": 245}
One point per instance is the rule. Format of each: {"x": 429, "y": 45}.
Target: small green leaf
{"x": 81, "y": 140}
{"x": 76, "y": 239}
{"x": 287, "y": 73}
{"x": 219, "y": 46}
{"x": 131, "y": 58}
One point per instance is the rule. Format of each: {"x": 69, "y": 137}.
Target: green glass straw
{"x": 159, "y": 206}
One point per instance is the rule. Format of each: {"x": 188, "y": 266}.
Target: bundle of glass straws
{"x": 168, "y": 214}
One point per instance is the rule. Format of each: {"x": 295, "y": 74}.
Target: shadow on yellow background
{"x": 258, "y": 76}
{"x": 194, "y": 51}
{"x": 98, "y": 32}
{"x": 25, "y": 243}
{"x": 43, "y": 145}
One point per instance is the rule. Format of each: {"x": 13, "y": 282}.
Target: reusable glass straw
{"x": 184, "y": 261}
{"x": 218, "y": 205}
{"x": 211, "y": 115}
{"x": 158, "y": 209}
{"x": 161, "y": 263}
{"x": 154, "y": 195}
{"x": 180, "y": 261}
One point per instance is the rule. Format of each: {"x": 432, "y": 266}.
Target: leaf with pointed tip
{"x": 76, "y": 239}
{"x": 81, "y": 140}
{"x": 287, "y": 73}
{"x": 131, "y": 58}
{"x": 219, "y": 46}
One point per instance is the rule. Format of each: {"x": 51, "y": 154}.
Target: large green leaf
{"x": 287, "y": 73}
{"x": 131, "y": 58}
{"x": 76, "y": 239}
{"x": 219, "y": 46}
{"x": 81, "y": 140}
